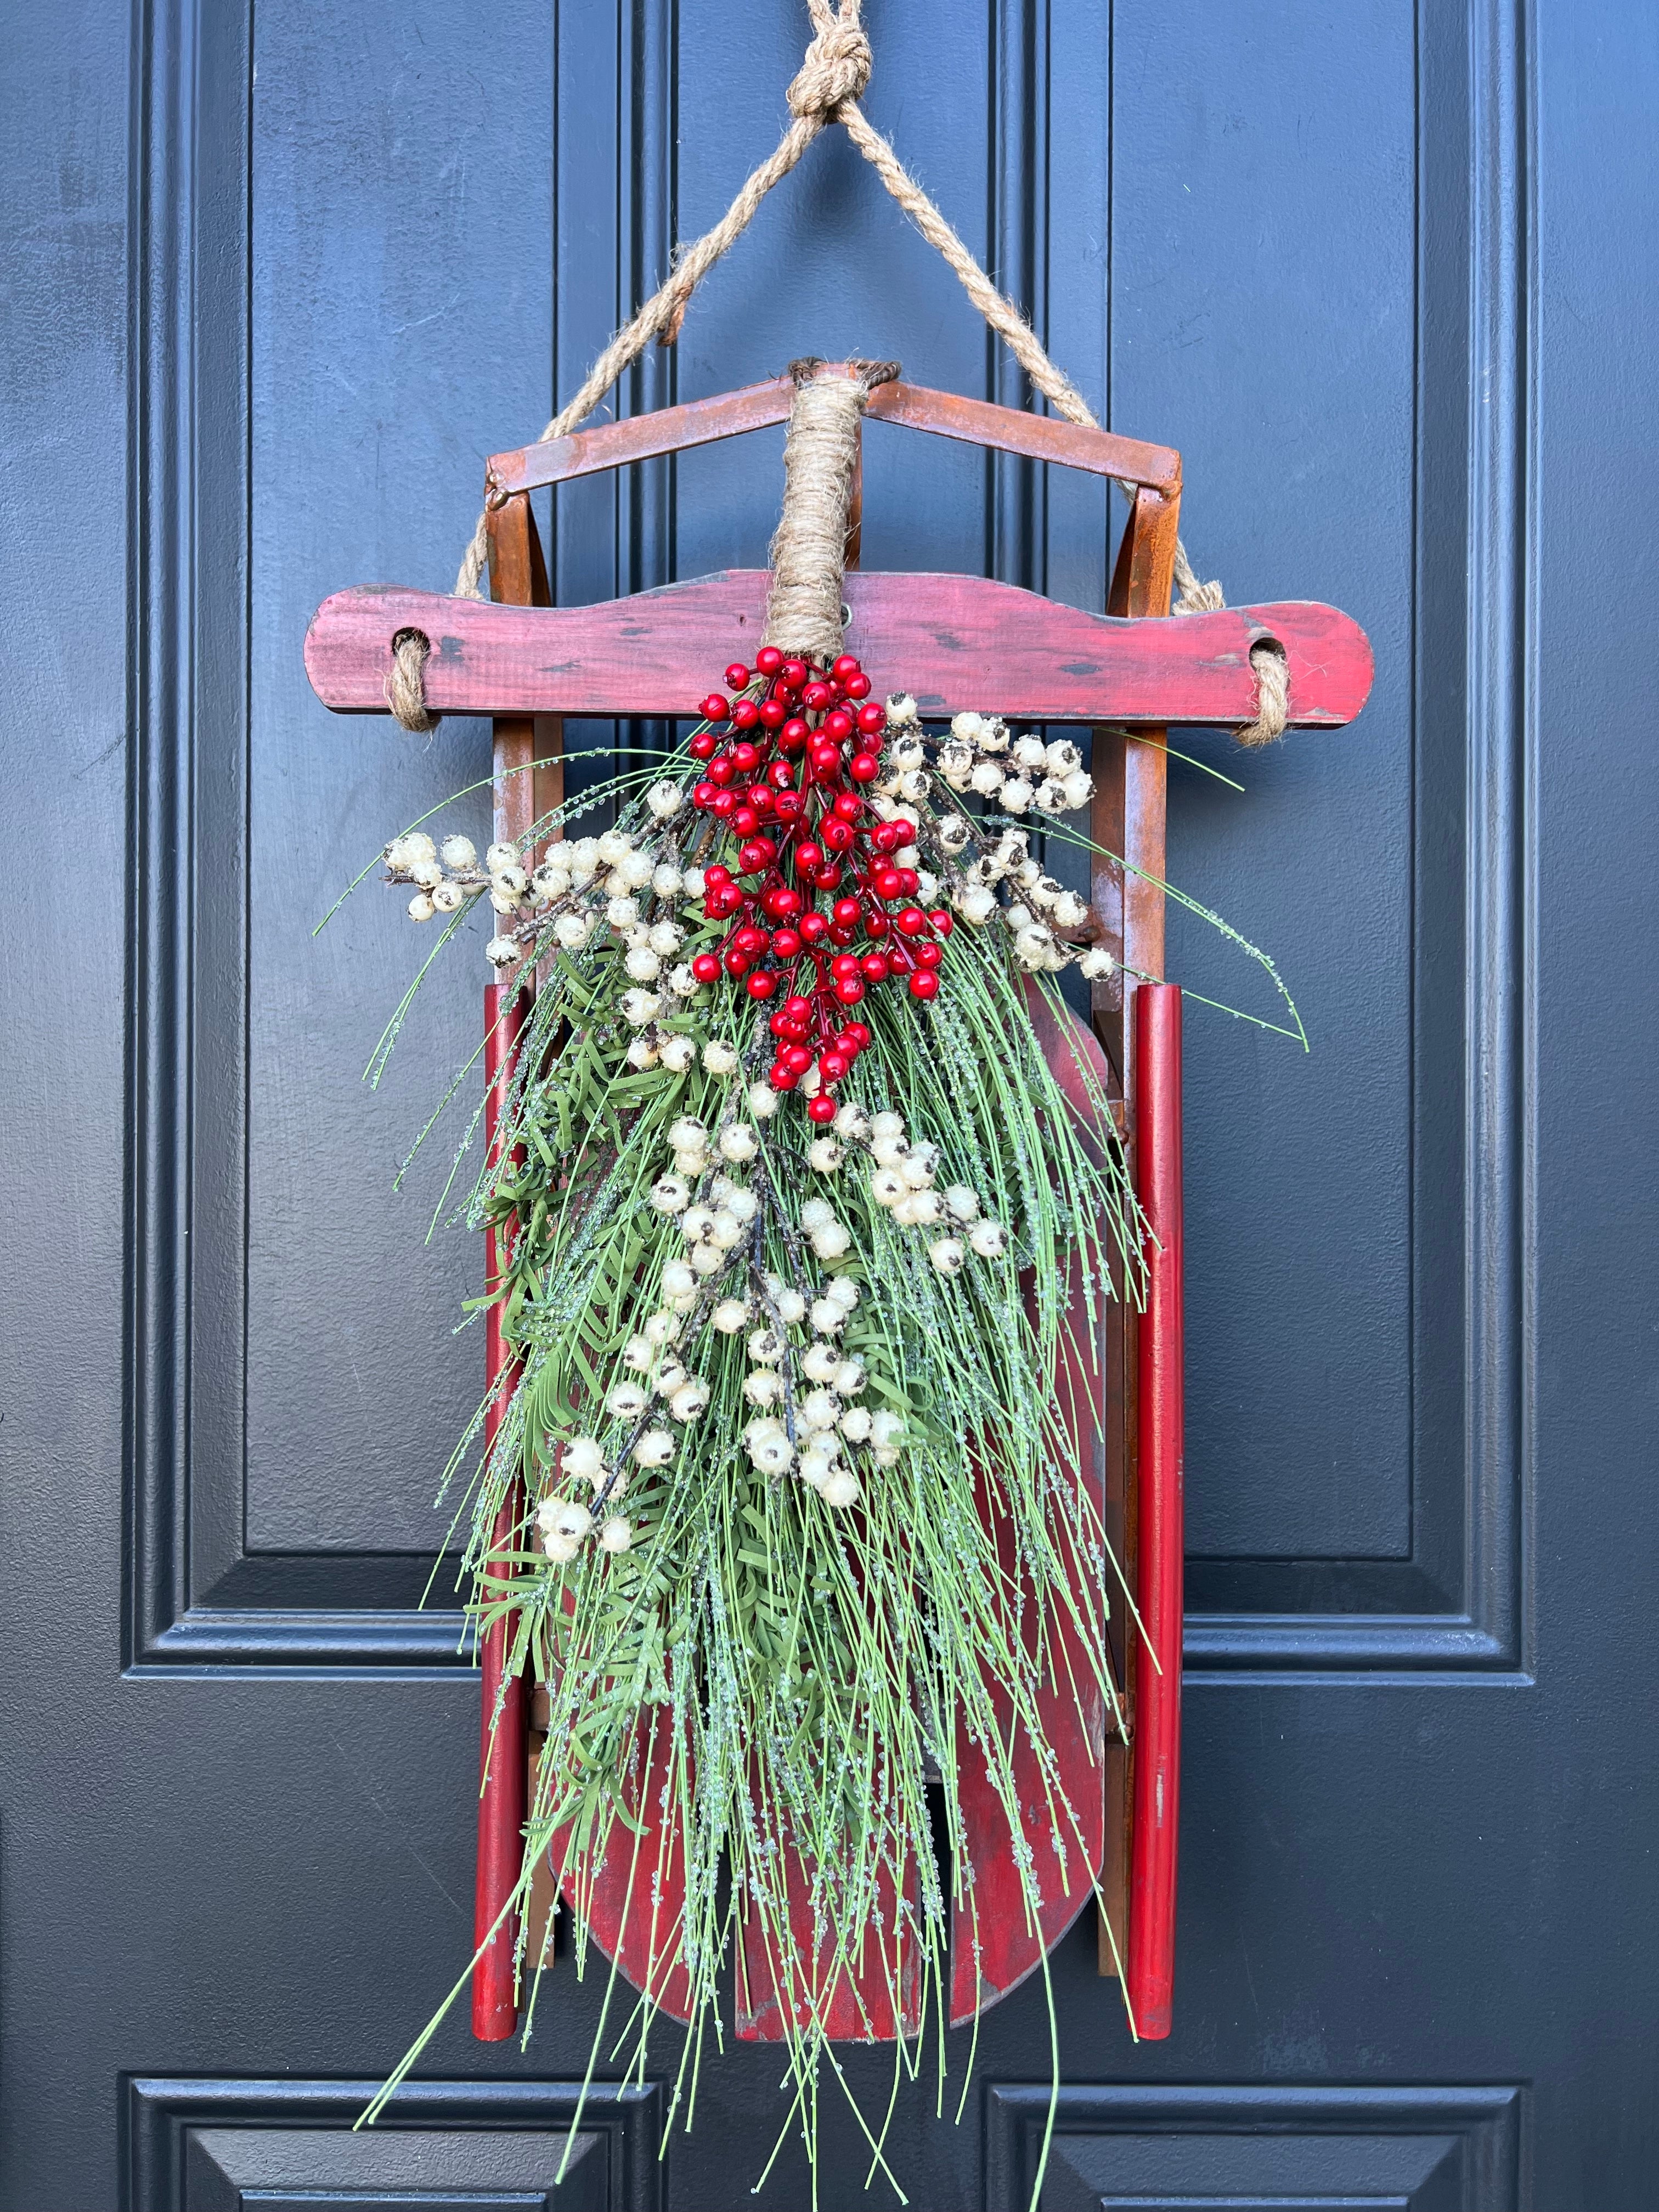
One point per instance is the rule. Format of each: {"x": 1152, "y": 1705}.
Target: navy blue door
{"x": 278, "y": 279}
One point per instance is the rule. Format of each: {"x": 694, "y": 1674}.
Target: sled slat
{"x": 880, "y": 2001}
{"x": 995, "y": 1942}
{"x": 631, "y": 1898}
{"x": 504, "y": 1714}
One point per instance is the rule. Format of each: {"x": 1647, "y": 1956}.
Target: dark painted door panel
{"x": 278, "y": 280}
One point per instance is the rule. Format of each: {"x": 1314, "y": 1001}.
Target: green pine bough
{"x": 799, "y": 1222}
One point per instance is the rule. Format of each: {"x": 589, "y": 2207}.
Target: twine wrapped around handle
{"x": 808, "y": 553}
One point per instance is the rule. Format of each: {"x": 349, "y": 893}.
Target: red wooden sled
{"x": 954, "y": 641}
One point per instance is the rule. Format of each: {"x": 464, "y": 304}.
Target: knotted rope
{"x": 826, "y": 88}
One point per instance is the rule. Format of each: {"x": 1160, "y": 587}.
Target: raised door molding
{"x": 219, "y": 2146}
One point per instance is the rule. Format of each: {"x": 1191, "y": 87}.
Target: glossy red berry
{"x": 838, "y": 724}
{"x": 721, "y": 769}
{"x": 849, "y": 990}
{"x": 845, "y": 911}
{"x": 943, "y": 921}
{"x": 873, "y": 967}
{"x": 909, "y": 882}
{"x": 793, "y": 673}
{"x": 737, "y": 677}
{"x": 875, "y": 923}
{"x": 836, "y": 834}
{"x": 786, "y": 944}
{"x": 855, "y": 1035}
{"x": 871, "y": 717}
{"x": 761, "y": 983}
{"x": 820, "y": 1108}
{"x": 928, "y": 954}
{"x": 744, "y": 820}
{"x": 864, "y": 767}
{"x": 846, "y": 666}
{"x": 808, "y": 856}
{"x": 749, "y": 940}
{"x": 885, "y": 882}
{"x": 793, "y": 732}
{"x": 768, "y": 661}
{"x": 702, "y": 793}
{"x": 814, "y": 927}
{"x": 772, "y": 714}
{"x": 745, "y": 714}
{"x": 724, "y": 803}
{"x": 706, "y": 968}
{"x": 857, "y": 686}
{"x": 779, "y": 775}
{"x": 799, "y": 1058}
{"x": 832, "y": 1065}
{"x": 924, "y": 984}
{"x": 744, "y": 756}
{"x": 703, "y": 745}
{"x": 781, "y": 1076}
{"x": 844, "y": 963}
{"x": 828, "y": 877}
{"x": 736, "y": 962}
{"x": 715, "y": 707}
{"x": 783, "y": 902}
{"x": 912, "y": 920}
{"x": 789, "y": 805}
{"x": 849, "y": 806}
{"x": 891, "y": 836}
{"x": 817, "y": 696}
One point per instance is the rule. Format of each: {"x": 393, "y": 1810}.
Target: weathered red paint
{"x": 995, "y": 1942}
{"x": 505, "y": 1712}
{"x": 954, "y": 641}
{"x": 631, "y": 1898}
{"x": 1156, "y": 1013}
{"x": 880, "y": 2001}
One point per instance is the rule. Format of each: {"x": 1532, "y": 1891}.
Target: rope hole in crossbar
{"x": 405, "y": 684}
{"x": 1272, "y": 671}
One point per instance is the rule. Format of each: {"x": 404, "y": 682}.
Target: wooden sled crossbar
{"x": 954, "y": 641}
{"x": 763, "y": 406}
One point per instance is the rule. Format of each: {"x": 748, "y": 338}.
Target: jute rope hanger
{"x": 826, "y": 89}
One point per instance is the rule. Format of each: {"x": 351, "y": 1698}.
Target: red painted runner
{"x": 1156, "y": 1013}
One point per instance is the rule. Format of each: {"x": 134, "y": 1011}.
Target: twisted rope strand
{"x": 833, "y": 74}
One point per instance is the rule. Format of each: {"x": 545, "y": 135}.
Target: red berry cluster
{"x": 787, "y": 767}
